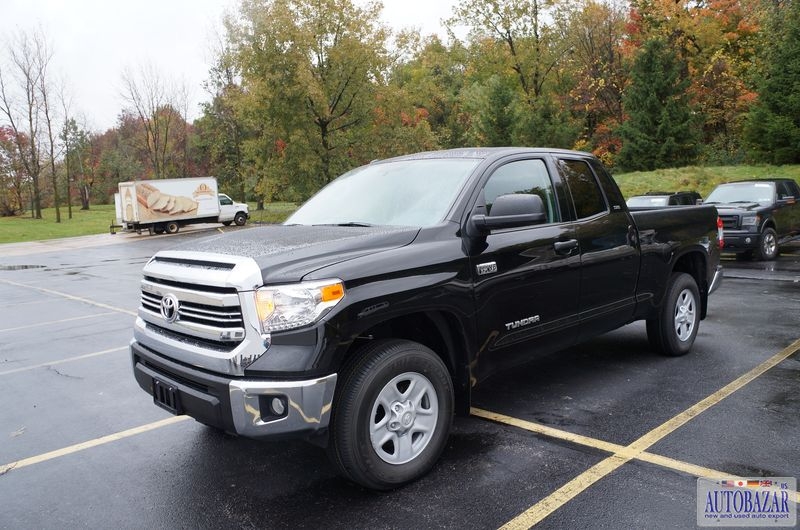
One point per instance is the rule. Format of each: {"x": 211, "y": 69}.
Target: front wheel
{"x": 240, "y": 219}
{"x": 673, "y": 330}
{"x": 392, "y": 418}
{"x": 768, "y": 245}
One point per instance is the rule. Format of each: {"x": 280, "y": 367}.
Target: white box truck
{"x": 165, "y": 205}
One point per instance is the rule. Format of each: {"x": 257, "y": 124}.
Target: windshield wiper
{"x": 355, "y": 223}
{"x": 349, "y": 223}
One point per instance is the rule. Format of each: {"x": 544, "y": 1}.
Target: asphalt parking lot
{"x": 603, "y": 435}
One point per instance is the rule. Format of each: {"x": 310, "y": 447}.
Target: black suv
{"x": 758, "y": 215}
{"x": 657, "y": 199}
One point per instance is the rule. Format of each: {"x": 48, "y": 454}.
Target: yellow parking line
{"x": 61, "y": 361}
{"x": 51, "y": 322}
{"x": 91, "y": 443}
{"x": 616, "y": 449}
{"x": 635, "y": 450}
{"x": 69, "y": 297}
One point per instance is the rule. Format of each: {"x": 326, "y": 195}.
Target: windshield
{"x": 647, "y": 201}
{"x": 743, "y": 192}
{"x": 401, "y": 193}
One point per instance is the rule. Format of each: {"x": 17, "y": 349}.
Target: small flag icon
{"x": 728, "y": 483}
{"x": 753, "y": 483}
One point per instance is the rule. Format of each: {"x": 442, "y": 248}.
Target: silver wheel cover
{"x": 685, "y": 315}
{"x": 403, "y": 418}
{"x": 768, "y": 244}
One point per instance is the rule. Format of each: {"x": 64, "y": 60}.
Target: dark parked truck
{"x": 758, "y": 215}
{"x": 364, "y": 322}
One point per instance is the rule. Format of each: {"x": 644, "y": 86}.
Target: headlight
{"x": 283, "y": 307}
{"x": 750, "y": 220}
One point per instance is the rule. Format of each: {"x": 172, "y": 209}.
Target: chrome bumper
{"x": 302, "y": 406}
{"x": 717, "y": 280}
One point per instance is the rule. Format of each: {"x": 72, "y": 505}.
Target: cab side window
{"x": 785, "y": 191}
{"x": 522, "y": 176}
{"x": 225, "y": 201}
{"x": 586, "y": 193}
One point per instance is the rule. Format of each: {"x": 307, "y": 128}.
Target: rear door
{"x": 525, "y": 279}
{"x": 609, "y": 253}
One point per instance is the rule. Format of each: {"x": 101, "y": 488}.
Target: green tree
{"x": 309, "y": 73}
{"x": 433, "y": 79}
{"x": 772, "y": 130}
{"x": 75, "y": 142}
{"x": 659, "y": 131}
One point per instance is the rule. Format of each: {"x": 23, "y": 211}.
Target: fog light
{"x": 747, "y": 240}
{"x": 277, "y": 406}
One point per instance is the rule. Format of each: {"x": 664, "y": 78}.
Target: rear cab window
{"x": 587, "y": 197}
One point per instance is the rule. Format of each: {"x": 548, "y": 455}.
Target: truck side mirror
{"x": 511, "y": 211}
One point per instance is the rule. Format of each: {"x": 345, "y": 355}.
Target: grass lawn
{"x": 700, "y": 179}
{"x": 97, "y": 220}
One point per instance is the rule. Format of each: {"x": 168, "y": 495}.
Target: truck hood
{"x": 287, "y": 253}
{"x": 739, "y": 207}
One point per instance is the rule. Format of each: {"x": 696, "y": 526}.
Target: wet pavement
{"x": 66, "y": 379}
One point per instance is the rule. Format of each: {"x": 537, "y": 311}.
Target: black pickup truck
{"x": 363, "y": 323}
{"x": 758, "y": 215}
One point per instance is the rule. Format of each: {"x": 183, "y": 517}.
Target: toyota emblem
{"x": 169, "y": 308}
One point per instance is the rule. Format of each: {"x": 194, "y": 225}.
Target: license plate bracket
{"x": 166, "y": 396}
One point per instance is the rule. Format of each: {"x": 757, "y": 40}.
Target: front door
{"x": 526, "y": 279}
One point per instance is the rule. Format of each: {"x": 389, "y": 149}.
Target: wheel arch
{"x": 440, "y": 331}
{"x": 694, "y": 264}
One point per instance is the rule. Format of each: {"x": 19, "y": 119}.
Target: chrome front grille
{"x": 208, "y": 313}
{"x": 198, "y": 308}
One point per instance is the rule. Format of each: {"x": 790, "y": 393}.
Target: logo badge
{"x": 169, "y": 308}
{"x": 486, "y": 268}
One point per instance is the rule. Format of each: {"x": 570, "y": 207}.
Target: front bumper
{"x": 740, "y": 240}
{"x": 253, "y": 408}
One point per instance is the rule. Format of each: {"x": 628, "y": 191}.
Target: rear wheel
{"x": 673, "y": 330}
{"x": 172, "y": 227}
{"x": 393, "y": 415}
{"x": 768, "y": 245}
{"x": 227, "y": 223}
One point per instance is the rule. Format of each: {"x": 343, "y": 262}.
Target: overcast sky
{"x": 95, "y": 40}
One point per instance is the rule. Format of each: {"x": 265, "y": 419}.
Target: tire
{"x": 227, "y": 223}
{"x": 768, "y": 245}
{"x": 673, "y": 330}
{"x": 240, "y": 218}
{"x": 392, "y": 416}
{"x": 172, "y": 227}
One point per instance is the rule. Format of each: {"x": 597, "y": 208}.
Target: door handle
{"x": 565, "y": 247}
